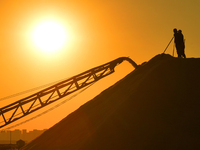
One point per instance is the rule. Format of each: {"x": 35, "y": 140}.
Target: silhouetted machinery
{"x": 58, "y": 91}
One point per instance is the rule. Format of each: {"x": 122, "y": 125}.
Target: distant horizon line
{"x": 22, "y": 130}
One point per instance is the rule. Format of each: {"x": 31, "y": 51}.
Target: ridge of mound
{"x": 157, "y": 106}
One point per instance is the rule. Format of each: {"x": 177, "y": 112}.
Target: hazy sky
{"x": 99, "y": 31}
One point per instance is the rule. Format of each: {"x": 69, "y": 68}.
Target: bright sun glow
{"x": 49, "y": 36}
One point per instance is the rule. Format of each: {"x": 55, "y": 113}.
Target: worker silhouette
{"x": 179, "y": 43}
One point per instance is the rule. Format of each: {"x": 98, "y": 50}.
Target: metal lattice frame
{"x": 53, "y": 93}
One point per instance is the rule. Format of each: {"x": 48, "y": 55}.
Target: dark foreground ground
{"x": 156, "y": 107}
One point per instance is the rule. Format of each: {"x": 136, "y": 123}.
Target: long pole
{"x": 173, "y": 49}
{"x": 10, "y": 140}
{"x": 10, "y": 137}
{"x": 168, "y": 44}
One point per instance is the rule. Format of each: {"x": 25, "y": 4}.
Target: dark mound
{"x": 156, "y": 107}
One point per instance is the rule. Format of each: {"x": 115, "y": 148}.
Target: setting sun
{"x": 49, "y": 36}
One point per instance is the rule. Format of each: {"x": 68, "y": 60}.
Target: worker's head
{"x": 175, "y": 30}
{"x": 179, "y": 31}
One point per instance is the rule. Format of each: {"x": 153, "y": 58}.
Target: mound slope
{"x": 157, "y": 106}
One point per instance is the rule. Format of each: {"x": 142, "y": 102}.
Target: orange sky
{"x": 101, "y": 31}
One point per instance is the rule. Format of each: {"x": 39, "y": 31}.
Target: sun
{"x": 49, "y": 36}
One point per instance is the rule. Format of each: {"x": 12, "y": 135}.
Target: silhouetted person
{"x": 179, "y": 43}
{"x": 182, "y": 44}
